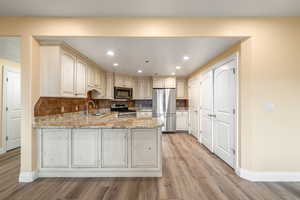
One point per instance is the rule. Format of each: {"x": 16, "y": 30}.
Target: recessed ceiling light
{"x": 110, "y": 53}
{"x": 140, "y": 71}
{"x": 173, "y": 73}
{"x": 116, "y": 64}
{"x": 178, "y": 67}
{"x": 186, "y": 58}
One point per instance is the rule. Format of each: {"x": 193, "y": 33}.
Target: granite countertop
{"x": 107, "y": 120}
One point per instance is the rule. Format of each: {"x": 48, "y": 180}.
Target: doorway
{"x": 218, "y": 108}
{"x": 11, "y": 107}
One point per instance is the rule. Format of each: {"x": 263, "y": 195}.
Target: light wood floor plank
{"x": 190, "y": 172}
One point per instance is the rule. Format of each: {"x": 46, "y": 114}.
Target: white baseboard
{"x": 256, "y": 176}
{"x": 83, "y": 174}
{"x": 27, "y": 177}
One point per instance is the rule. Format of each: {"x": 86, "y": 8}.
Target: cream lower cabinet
{"x": 114, "y": 148}
{"x": 55, "y": 148}
{"x": 144, "y": 148}
{"x": 97, "y": 152}
{"x": 84, "y": 144}
{"x": 182, "y": 118}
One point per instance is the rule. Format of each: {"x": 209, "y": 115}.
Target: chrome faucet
{"x": 87, "y": 106}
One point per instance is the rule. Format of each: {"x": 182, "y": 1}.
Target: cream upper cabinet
{"x": 109, "y": 85}
{"x": 164, "y": 82}
{"x": 91, "y": 76}
{"x": 80, "y": 81}
{"x": 62, "y": 72}
{"x": 68, "y": 67}
{"x": 122, "y": 80}
{"x": 181, "y": 88}
{"x": 158, "y": 82}
{"x": 142, "y": 88}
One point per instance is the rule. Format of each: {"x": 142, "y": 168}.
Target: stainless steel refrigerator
{"x": 164, "y": 107}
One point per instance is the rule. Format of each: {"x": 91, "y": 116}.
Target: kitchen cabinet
{"x": 91, "y": 76}
{"x": 68, "y": 65}
{"x": 114, "y": 148}
{"x": 142, "y": 88}
{"x": 80, "y": 89}
{"x": 122, "y": 80}
{"x": 84, "y": 144}
{"x": 182, "y": 119}
{"x": 144, "y": 148}
{"x": 62, "y": 72}
{"x": 181, "y": 88}
{"x": 164, "y": 82}
{"x": 99, "y": 84}
{"x": 109, "y": 85}
{"x": 55, "y": 148}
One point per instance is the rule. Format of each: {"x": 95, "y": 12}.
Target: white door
{"x": 80, "y": 79}
{"x": 224, "y": 105}
{"x": 194, "y": 108}
{"x": 206, "y": 109}
{"x": 13, "y": 108}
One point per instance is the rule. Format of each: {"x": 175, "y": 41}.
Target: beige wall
{"x": 4, "y": 62}
{"x": 269, "y": 73}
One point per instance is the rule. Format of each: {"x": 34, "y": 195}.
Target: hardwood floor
{"x": 189, "y": 172}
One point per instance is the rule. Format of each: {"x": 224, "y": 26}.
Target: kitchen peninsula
{"x": 76, "y": 145}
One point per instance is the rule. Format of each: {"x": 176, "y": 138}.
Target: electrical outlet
{"x": 62, "y": 109}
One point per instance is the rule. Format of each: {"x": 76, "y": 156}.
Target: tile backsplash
{"x": 59, "y": 105}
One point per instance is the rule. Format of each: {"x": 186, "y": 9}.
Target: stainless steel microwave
{"x": 122, "y": 93}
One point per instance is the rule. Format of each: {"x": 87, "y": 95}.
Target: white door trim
{"x": 4, "y": 100}
{"x": 236, "y": 117}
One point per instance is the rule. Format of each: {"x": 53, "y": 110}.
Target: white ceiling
{"x": 10, "y": 48}
{"x": 150, "y": 8}
{"x": 164, "y": 54}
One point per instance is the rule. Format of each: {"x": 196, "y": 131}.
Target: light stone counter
{"x": 108, "y": 120}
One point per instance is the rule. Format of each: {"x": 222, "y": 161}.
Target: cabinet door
{"x": 180, "y": 88}
{"x": 91, "y": 76}
{"x": 119, "y": 81}
{"x": 55, "y": 148}
{"x": 147, "y": 88}
{"x": 97, "y": 78}
{"x": 80, "y": 79}
{"x": 158, "y": 82}
{"x": 109, "y": 85}
{"x": 170, "y": 82}
{"x": 182, "y": 121}
{"x": 84, "y": 147}
{"x": 114, "y": 148}
{"x": 144, "y": 148}
{"x": 68, "y": 63}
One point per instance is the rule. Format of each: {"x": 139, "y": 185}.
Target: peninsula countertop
{"x": 107, "y": 120}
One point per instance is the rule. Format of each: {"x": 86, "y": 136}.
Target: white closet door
{"x": 12, "y": 88}
{"x": 224, "y": 101}
{"x": 206, "y": 109}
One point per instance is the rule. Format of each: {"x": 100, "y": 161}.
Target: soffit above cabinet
{"x": 162, "y": 54}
